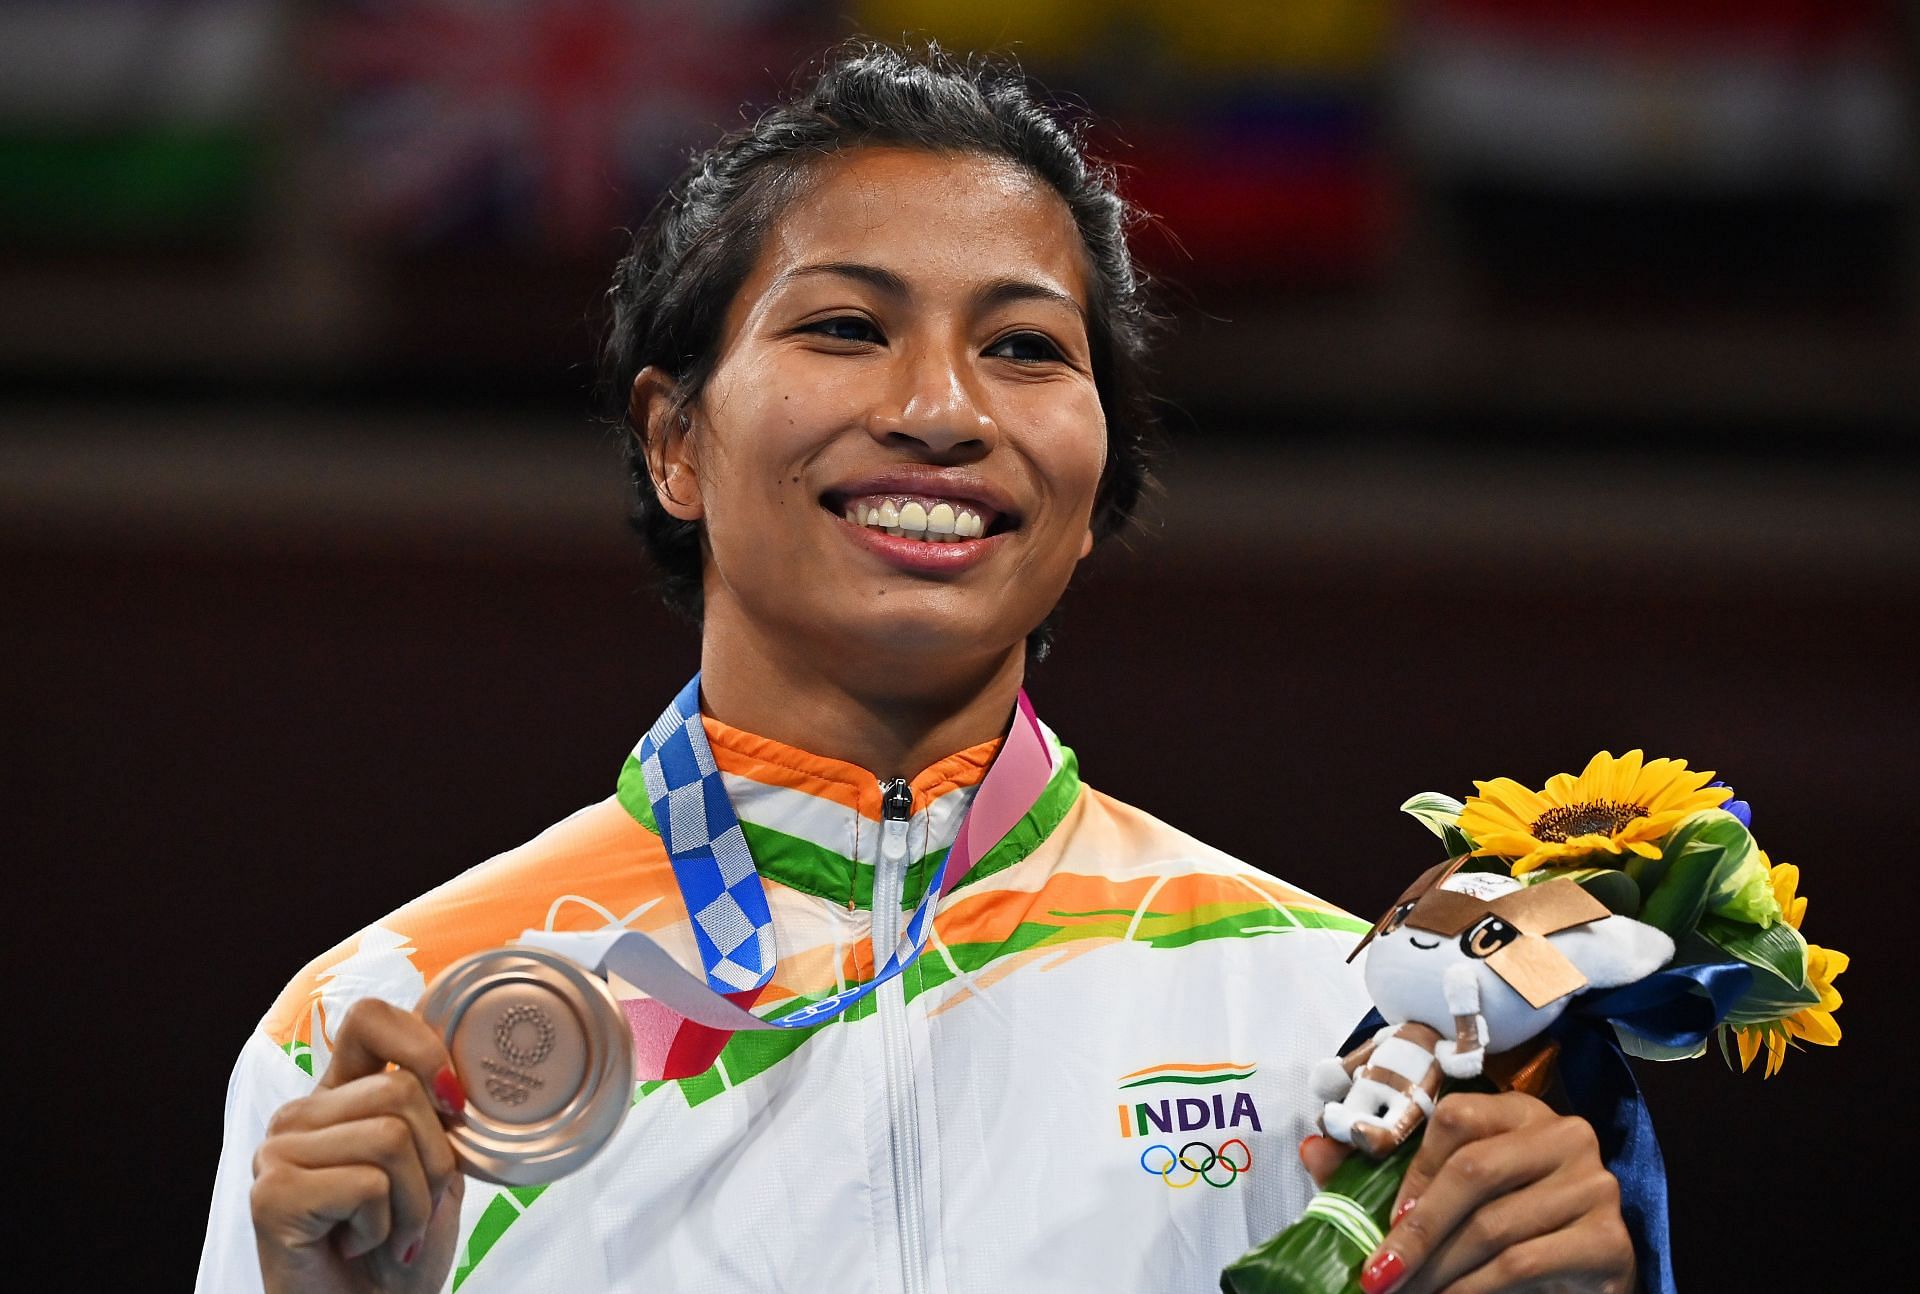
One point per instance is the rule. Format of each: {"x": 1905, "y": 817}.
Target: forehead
{"x": 941, "y": 221}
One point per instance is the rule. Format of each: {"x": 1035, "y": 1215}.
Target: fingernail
{"x": 448, "y": 1094}
{"x": 413, "y": 1252}
{"x": 1308, "y": 1141}
{"x": 1405, "y": 1206}
{"x": 1385, "y": 1272}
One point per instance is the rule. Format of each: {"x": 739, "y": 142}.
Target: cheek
{"x": 762, "y": 428}
{"x": 1070, "y": 451}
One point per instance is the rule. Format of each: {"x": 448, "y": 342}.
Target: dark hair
{"x": 671, "y": 292}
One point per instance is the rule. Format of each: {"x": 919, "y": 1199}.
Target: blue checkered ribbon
{"x": 732, "y": 925}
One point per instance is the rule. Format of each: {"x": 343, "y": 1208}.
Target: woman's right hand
{"x": 356, "y": 1187}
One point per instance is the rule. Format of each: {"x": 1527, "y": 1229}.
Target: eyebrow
{"x": 1003, "y": 291}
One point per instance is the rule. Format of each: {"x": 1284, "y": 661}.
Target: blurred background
{"x": 1545, "y": 378}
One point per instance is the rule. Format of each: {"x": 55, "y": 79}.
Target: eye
{"x": 1396, "y": 918}
{"x": 1025, "y": 348}
{"x": 1486, "y": 937}
{"x": 848, "y": 328}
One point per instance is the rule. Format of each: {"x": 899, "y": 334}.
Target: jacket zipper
{"x": 889, "y": 885}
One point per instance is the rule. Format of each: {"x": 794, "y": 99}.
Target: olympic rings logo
{"x": 1199, "y": 1162}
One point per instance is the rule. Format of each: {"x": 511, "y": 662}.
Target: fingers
{"x": 1586, "y": 1257}
{"x": 383, "y": 1127}
{"x": 1494, "y": 1175}
{"x": 365, "y": 1157}
{"x": 1457, "y": 1120}
{"x": 1473, "y": 1176}
{"x": 296, "y": 1208}
{"x": 376, "y": 1034}
{"x": 1321, "y": 1156}
{"x": 391, "y": 1093}
{"x": 403, "y": 1201}
{"x": 1494, "y": 1228}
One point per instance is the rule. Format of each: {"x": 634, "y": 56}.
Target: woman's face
{"x": 896, "y": 458}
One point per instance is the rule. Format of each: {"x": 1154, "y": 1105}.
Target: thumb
{"x": 1321, "y": 1156}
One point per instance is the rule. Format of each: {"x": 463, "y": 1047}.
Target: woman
{"x": 881, "y": 357}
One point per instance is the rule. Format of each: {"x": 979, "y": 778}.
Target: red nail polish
{"x": 1405, "y": 1207}
{"x": 413, "y": 1252}
{"x": 1385, "y": 1272}
{"x": 448, "y": 1094}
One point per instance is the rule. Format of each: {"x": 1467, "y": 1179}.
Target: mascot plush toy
{"x": 1467, "y": 965}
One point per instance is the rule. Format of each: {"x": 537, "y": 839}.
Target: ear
{"x": 1086, "y": 543}
{"x": 1614, "y": 950}
{"x": 663, "y": 432}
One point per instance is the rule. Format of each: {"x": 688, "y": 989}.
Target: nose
{"x": 934, "y": 408}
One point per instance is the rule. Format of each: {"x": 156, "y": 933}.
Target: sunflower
{"x": 1814, "y": 1024}
{"x": 1615, "y": 806}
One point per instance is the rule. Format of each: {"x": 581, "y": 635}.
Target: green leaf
{"x": 1610, "y": 885}
{"x": 1770, "y": 999}
{"x": 1778, "y": 949}
{"x": 1440, "y": 814}
{"x": 1434, "y": 811}
{"x": 1695, "y": 949}
{"x": 1698, "y": 857}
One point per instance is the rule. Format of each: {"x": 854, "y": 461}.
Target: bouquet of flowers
{"x": 1624, "y": 910}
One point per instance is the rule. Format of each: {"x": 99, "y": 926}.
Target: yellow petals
{"x": 1785, "y": 879}
{"x": 1612, "y": 806}
{"x": 1814, "y": 1024}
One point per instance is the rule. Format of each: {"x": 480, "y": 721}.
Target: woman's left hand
{"x": 1503, "y": 1194}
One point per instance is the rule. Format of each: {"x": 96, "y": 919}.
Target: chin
{"x": 929, "y": 641}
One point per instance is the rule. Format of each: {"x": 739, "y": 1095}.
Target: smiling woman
{"x": 879, "y": 356}
{"x": 888, "y": 151}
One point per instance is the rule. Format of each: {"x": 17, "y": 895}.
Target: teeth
{"x": 942, "y": 523}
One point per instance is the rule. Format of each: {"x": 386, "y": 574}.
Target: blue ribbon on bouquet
{"x": 1678, "y": 1008}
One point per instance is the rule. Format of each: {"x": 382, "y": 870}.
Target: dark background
{"x": 1545, "y": 378}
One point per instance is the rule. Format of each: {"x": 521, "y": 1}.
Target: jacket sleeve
{"x": 264, "y": 1079}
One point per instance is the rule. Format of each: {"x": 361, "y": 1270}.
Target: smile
{"x": 1417, "y": 944}
{"x": 925, "y": 518}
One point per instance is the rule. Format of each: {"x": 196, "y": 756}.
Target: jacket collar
{"x": 814, "y": 823}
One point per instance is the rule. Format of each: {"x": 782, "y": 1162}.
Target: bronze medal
{"x": 544, "y": 1053}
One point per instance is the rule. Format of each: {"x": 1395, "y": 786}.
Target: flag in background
{"x": 541, "y": 124}
{"x": 1690, "y": 94}
{"x": 1249, "y": 129}
{"x": 1715, "y": 151}
{"x": 133, "y": 121}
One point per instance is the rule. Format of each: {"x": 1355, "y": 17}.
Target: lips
{"x": 922, "y": 517}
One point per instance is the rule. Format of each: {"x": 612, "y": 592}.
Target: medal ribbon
{"x": 683, "y": 1021}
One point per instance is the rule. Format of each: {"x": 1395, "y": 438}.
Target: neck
{"x": 894, "y": 722}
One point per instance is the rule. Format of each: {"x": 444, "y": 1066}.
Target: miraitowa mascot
{"x": 1468, "y": 965}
